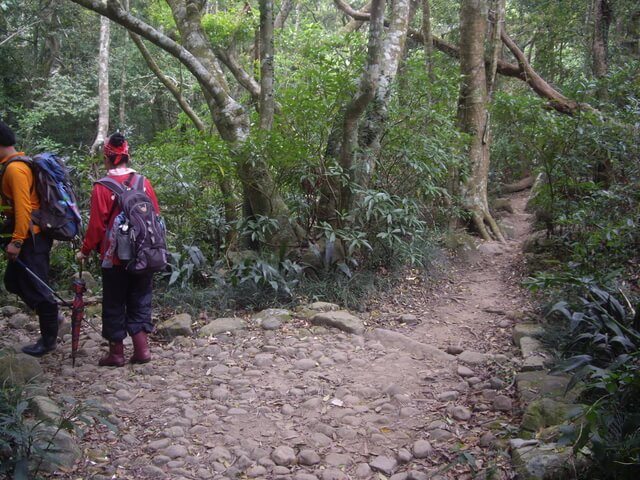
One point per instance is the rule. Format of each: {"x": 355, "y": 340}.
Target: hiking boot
{"x": 41, "y": 347}
{"x": 115, "y": 357}
{"x": 141, "y": 352}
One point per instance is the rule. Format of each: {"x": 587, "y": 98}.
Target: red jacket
{"x": 102, "y": 200}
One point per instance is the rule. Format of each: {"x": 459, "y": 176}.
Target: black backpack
{"x": 58, "y": 216}
{"x": 140, "y": 239}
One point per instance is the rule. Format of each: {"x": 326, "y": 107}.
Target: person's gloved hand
{"x": 80, "y": 257}
{"x": 13, "y": 250}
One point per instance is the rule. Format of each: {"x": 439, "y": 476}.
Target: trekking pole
{"x": 42, "y": 282}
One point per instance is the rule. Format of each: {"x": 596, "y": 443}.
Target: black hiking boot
{"x": 40, "y": 348}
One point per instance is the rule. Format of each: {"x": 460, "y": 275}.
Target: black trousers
{"x": 126, "y": 303}
{"x": 35, "y": 255}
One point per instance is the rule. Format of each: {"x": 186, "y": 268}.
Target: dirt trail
{"x": 310, "y": 403}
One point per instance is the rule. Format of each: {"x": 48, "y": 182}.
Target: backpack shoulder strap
{"x": 3, "y": 169}
{"x": 113, "y": 185}
{"x": 138, "y": 183}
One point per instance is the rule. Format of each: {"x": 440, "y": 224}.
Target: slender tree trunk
{"x": 602, "y": 16}
{"x": 267, "y": 104}
{"x": 473, "y": 114}
{"x": 283, "y": 14}
{"x": 355, "y": 109}
{"x": 427, "y": 37}
{"x": 103, "y": 86}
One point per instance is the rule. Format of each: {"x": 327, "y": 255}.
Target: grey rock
{"x": 304, "y": 476}
{"x": 44, "y": 408}
{"x": 546, "y": 462}
{"x": 502, "y": 403}
{"x": 8, "y": 310}
{"x": 404, "y": 455}
{"x": 283, "y": 455}
{"x": 459, "y": 413}
{"x": 390, "y": 338}
{"x": 384, "y": 464}
{"x": 19, "y": 320}
{"x": 454, "y": 350}
{"x": 487, "y": 440}
{"x": 496, "y": 383}
{"x": 159, "y": 444}
{"x": 337, "y": 459}
{"x": 530, "y": 346}
{"x": 473, "y": 358}
{"x": 465, "y": 372}
{"x": 19, "y": 369}
{"x": 363, "y": 470}
{"x": 308, "y": 457}
{"x": 399, "y": 476}
{"x": 422, "y": 449}
{"x": 277, "y": 313}
{"x": 448, "y": 396}
{"x": 222, "y": 325}
{"x": 333, "y": 474}
{"x": 526, "y": 330}
{"x": 304, "y": 364}
{"x": 416, "y": 475}
{"x": 408, "y": 319}
{"x": 323, "y": 306}
{"x": 176, "y": 326}
{"x": 257, "y": 471}
{"x": 175, "y": 451}
{"x": 340, "y": 319}
{"x": 271, "y": 324}
{"x": 533, "y": 385}
{"x": 440, "y": 434}
{"x": 61, "y": 447}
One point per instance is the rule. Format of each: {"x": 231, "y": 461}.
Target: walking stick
{"x": 42, "y": 282}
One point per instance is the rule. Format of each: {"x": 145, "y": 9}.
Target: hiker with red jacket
{"x": 26, "y": 243}
{"x": 126, "y": 302}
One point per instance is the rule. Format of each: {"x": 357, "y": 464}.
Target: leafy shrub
{"x": 26, "y": 443}
{"x": 604, "y": 349}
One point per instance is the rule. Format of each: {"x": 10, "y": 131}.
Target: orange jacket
{"x": 17, "y": 186}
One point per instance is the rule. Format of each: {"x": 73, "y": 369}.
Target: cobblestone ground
{"x": 425, "y": 392}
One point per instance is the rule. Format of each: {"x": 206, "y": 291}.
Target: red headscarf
{"x": 116, "y": 154}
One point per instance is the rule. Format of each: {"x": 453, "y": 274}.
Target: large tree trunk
{"x": 473, "y": 114}
{"x": 602, "y": 16}
{"x": 230, "y": 118}
{"x": 369, "y": 83}
{"x": 103, "y": 86}
{"x": 267, "y": 103}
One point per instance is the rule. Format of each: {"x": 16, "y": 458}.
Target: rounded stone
{"x": 308, "y": 457}
{"x": 422, "y": 449}
{"x": 459, "y": 413}
{"x": 283, "y": 455}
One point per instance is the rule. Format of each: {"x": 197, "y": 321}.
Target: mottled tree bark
{"x": 266, "y": 65}
{"x": 103, "y": 86}
{"x": 231, "y": 120}
{"x": 602, "y": 16}
{"x": 356, "y": 108}
{"x": 473, "y": 114}
{"x": 427, "y": 37}
{"x": 283, "y": 14}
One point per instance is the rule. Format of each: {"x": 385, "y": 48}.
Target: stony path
{"x": 305, "y": 402}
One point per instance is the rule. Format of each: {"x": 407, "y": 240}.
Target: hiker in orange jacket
{"x": 26, "y": 243}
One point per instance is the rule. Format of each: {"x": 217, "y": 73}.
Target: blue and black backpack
{"x": 58, "y": 215}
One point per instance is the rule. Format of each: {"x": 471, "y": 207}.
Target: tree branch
{"x": 153, "y": 66}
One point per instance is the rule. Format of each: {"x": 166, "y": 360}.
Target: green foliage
{"x": 229, "y": 27}
{"x": 26, "y": 443}
{"x": 604, "y": 351}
